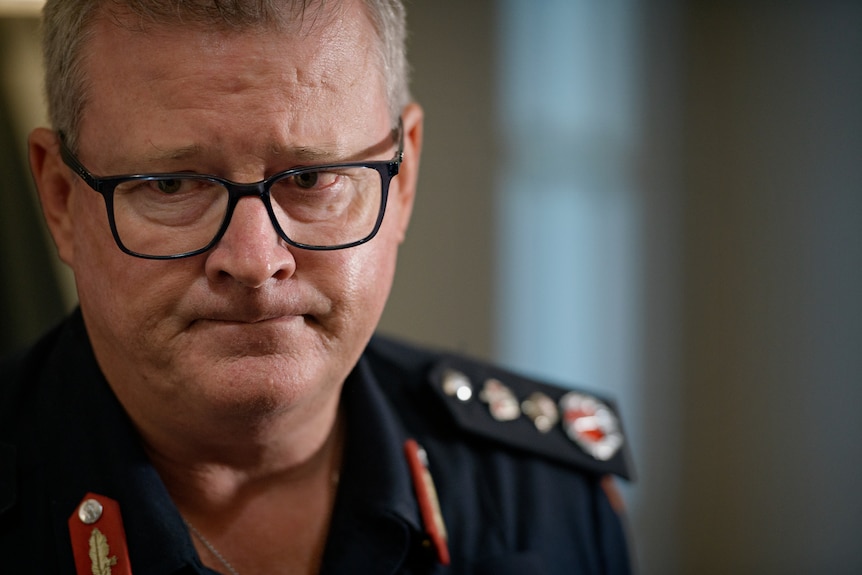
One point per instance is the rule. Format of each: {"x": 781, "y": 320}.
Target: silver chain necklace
{"x": 212, "y": 549}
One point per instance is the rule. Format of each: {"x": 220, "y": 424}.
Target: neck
{"x": 259, "y": 484}
{"x": 263, "y": 514}
{"x": 208, "y": 465}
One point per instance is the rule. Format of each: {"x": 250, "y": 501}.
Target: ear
{"x": 412, "y": 118}
{"x": 54, "y": 184}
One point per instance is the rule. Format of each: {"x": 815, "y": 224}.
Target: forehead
{"x": 143, "y": 76}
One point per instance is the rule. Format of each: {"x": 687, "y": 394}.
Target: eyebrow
{"x": 301, "y": 155}
{"x": 306, "y": 154}
{"x": 182, "y": 153}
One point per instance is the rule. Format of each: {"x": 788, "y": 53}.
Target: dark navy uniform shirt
{"x": 511, "y": 500}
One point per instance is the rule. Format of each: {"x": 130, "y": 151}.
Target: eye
{"x": 169, "y": 186}
{"x": 306, "y": 180}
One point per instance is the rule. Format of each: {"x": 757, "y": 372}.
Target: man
{"x": 215, "y": 404}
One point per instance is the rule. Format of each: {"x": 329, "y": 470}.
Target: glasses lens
{"x": 166, "y": 216}
{"x": 175, "y": 215}
{"x": 328, "y": 207}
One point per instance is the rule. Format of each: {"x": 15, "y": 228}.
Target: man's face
{"x": 253, "y": 326}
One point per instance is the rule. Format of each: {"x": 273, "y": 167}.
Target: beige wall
{"x": 772, "y": 368}
{"x": 35, "y": 288}
{"x": 443, "y": 293}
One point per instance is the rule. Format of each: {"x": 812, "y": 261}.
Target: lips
{"x": 257, "y": 306}
{"x": 250, "y": 319}
{"x": 272, "y": 322}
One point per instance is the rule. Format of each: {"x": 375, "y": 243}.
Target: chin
{"x": 257, "y": 386}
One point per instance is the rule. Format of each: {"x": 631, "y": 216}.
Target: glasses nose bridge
{"x": 238, "y": 191}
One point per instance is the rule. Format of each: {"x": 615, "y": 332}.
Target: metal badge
{"x": 90, "y": 511}
{"x": 101, "y": 561}
{"x": 98, "y": 538}
{"x": 456, "y": 384}
{"x": 541, "y": 410}
{"x": 591, "y": 424}
{"x": 502, "y": 403}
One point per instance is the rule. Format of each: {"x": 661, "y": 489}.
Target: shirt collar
{"x": 376, "y": 520}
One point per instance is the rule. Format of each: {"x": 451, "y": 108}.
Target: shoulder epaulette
{"x": 570, "y": 426}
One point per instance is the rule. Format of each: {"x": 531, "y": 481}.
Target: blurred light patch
{"x": 16, "y": 8}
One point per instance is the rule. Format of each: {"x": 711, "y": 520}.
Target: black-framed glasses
{"x": 178, "y": 215}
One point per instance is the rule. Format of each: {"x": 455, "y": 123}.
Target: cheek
{"x": 359, "y": 280}
{"x": 122, "y": 297}
{"x": 97, "y": 273}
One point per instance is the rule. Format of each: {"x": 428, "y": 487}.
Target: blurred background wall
{"x": 660, "y": 200}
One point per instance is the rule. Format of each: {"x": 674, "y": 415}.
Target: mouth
{"x": 252, "y": 312}
{"x": 256, "y": 320}
{"x": 247, "y": 336}
{"x": 252, "y": 319}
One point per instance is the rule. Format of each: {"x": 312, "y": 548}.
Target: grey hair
{"x": 67, "y": 24}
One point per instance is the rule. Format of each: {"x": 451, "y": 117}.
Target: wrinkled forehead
{"x": 318, "y": 29}
{"x": 289, "y": 16}
{"x": 173, "y": 87}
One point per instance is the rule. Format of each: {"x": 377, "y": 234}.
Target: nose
{"x": 250, "y": 251}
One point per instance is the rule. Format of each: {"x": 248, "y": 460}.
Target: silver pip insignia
{"x": 456, "y": 384}
{"x": 502, "y": 403}
{"x": 541, "y": 410}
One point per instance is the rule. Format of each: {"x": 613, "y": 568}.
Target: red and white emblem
{"x": 591, "y": 424}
